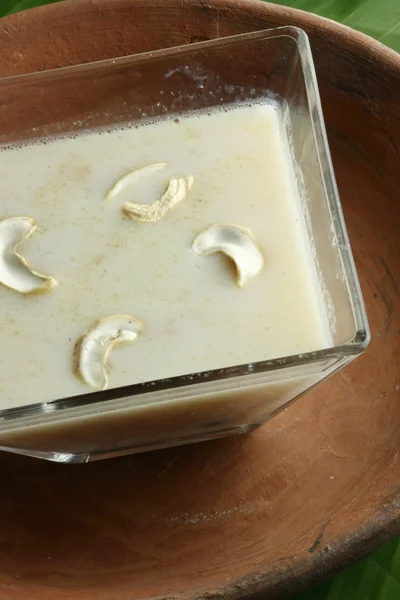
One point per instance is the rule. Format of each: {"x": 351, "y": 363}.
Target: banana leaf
{"x": 7, "y": 7}
{"x": 377, "y": 18}
{"x": 378, "y": 576}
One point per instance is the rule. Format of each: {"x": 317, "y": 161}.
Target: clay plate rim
{"x": 386, "y": 522}
{"x": 350, "y": 38}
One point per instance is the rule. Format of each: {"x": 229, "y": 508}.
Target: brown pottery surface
{"x": 266, "y": 514}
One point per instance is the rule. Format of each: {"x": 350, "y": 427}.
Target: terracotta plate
{"x": 317, "y": 487}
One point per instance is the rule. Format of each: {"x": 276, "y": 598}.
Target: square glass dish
{"x": 54, "y": 127}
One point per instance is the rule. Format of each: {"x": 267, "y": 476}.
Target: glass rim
{"x": 349, "y": 349}
{"x": 270, "y": 33}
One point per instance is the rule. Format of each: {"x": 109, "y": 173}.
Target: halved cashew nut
{"x": 237, "y": 243}
{"x": 133, "y": 177}
{"x": 176, "y": 191}
{"x": 15, "y": 272}
{"x": 92, "y": 350}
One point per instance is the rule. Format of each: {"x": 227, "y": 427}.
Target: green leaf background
{"x": 378, "y": 576}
